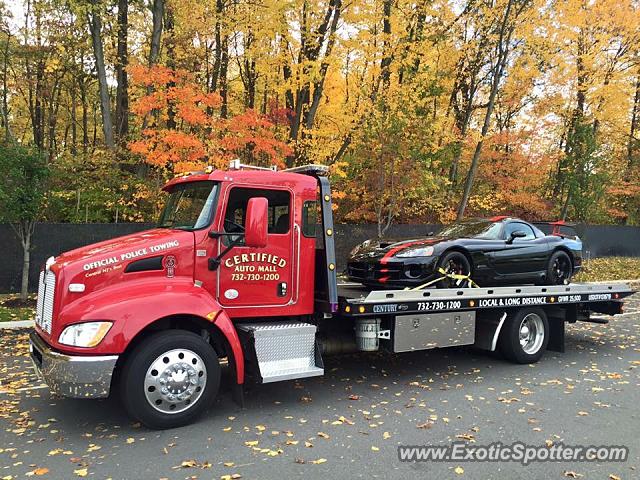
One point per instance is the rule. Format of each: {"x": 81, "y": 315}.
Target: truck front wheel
{"x": 170, "y": 379}
{"x": 525, "y": 335}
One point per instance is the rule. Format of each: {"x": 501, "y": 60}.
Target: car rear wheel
{"x": 170, "y": 379}
{"x": 559, "y": 269}
{"x": 455, "y": 263}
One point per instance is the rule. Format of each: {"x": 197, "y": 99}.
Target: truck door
{"x": 258, "y": 276}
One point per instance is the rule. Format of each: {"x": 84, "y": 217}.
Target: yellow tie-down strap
{"x": 455, "y": 276}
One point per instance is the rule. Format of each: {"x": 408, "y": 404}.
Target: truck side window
{"x": 309, "y": 218}
{"x": 279, "y": 206}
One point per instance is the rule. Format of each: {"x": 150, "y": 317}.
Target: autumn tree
{"x": 22, "y": 195}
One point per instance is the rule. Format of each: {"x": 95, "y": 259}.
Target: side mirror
{"x": 255, "y": 233}
{"x": 516, "y": 234}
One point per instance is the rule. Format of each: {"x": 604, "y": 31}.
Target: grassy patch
{"x": 609, "y": 268}
{"x": 11, "y": 308}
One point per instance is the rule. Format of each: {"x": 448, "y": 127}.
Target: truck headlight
{"x": 87, "y": 334}
{"x": 416, "y": 252}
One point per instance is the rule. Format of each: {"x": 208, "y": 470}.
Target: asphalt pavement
{"x": 349, "y": 423}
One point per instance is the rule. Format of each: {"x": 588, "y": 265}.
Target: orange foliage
{"x": 511, "y": 178}
{"x": 251, "y": 135}
{"x": 200, "y": 136}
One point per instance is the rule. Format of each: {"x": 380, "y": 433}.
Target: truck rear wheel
{"x": 525, "y": 336}
{"x": 170, "y": 379}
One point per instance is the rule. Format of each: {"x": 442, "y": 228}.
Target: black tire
{"x": 172, "y": 343}
{"x": 510, "y": 338}
{"x": 559, "y": 269}
{"x": 453, "y": 262}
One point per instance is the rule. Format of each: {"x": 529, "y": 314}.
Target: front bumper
{"x": 409, "y": 272}
{"x": 72, "y": 376}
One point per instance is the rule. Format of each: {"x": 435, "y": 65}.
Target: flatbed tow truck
{"x": 240, "y": 268}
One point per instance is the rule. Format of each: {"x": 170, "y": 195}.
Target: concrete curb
{"x": 17, "y": 324}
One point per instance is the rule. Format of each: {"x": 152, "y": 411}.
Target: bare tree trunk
{"x": 122, "y": 93}
{"x": 95, "y": 25}
{"x": 565, "y": 207}
{"x": 248, "y": 72}
{"x": 576, "y": 117}
{"x": 318, "y": 85}
{"x": 156, "y": 32}
{"x": 385, "y": 64}
{"x": 504, "y": 38}
{"x": 5, "y": 103}
{"x": 311, "y": 48}
{"x": 85, "y": 116}
{"x": 224, "y": 66}
{"x": 154, "y": 52}
{"x": 169, "y": 23}
{"x": 74, "y": 119}
{"x": 53, "y": 116}
{"x": 24, "y": 230}
{"x": 634, "y": 143}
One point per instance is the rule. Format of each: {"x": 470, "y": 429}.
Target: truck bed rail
{"x": 356, "y": 301}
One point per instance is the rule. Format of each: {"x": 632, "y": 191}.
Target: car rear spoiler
{"x": 558, "y": 228}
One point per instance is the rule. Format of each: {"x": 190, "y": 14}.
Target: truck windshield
{"x": 189, "y": 206}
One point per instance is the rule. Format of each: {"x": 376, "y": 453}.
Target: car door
{"x": 257, "y": 276}
{"x": 521, "y": 256}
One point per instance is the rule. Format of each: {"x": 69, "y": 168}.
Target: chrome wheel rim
{"x": 531, "y": 333}
{"x": 455, "y": 267}
{"x": 560, "y": 269}
{"x": 175, "y": 381}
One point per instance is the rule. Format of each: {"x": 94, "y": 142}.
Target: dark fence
{"x": 55, "y": 238}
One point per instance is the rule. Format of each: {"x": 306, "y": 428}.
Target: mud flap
{"x": 556, "y": 334}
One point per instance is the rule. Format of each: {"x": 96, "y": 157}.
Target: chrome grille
{"x": 44, "y": 307}
{"x": 40, "y": 298}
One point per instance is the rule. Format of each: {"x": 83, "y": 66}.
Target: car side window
{"x": 518, "y": 226}
{"x": 279, "y": 206}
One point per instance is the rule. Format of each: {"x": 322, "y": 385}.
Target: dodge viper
{"x": 495, "y": 251}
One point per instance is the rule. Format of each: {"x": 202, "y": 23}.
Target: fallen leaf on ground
{"x": 572, "y": 474}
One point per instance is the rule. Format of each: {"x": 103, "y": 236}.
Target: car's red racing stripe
{"x": 387, "y": 256}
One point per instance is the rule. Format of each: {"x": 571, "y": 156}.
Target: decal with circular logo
{"x": 170, "y": 265}
{"x": 231, "y": 294}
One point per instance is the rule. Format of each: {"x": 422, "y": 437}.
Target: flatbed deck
{"x": 357, "y": 300}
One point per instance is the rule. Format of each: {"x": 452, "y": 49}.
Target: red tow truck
{"x": 241, "y": 267}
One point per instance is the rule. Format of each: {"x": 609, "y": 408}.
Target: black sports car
{"x": 495, "y": 251}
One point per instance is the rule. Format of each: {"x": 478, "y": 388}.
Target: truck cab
{"x": 273, "y": 277}
{"x": 230, "y": 245}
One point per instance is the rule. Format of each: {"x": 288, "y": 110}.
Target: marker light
{"x": 76, "y": 287}
{"x": 87, "y": 334}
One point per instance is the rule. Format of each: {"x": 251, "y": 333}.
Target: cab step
{"x": 282, "y": 350}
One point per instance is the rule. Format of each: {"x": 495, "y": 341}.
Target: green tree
{"x": 22, "y": 196}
